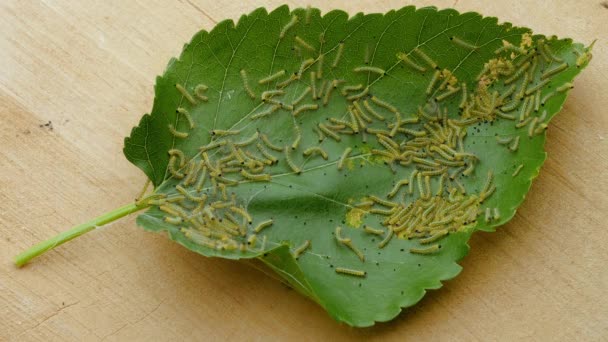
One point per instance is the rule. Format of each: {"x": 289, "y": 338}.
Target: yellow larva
{"x": 320, "y": 61}
{"x": 426, "y": 58}
{"x": 247, "y": 141}
{"x": 343, "y": 157}
{"x": 386, "y": 239}
{"x": 223, "y": 132}
{"x": 518, "y": 73}
{"x": 488, "y": 215}
{"x": 532, "y": 126}
{"x": 563, "y": 88}
{"x": 374, "y": 231}
{"x": 313, "y": 84}
{"x": 554, "y": 71}
{"x": 302, "y": 96}
{"x": 510, "y": 47}
{"x": 272, "y": 77}
{"x": 201, "y": 180}
{"x": 290, "y": 162}
{"x": 330, "y": 88}
{"x": 262, "y": 225}
{"x": 463, "y": 100}
{"x": 185, "y": 93}
{"x": 434, "y": 79}
{"x": 265, "y": 177}
{"x": 266, "y": 112}
{"x": 538, "y": 86}
{"x": 199, "y": 90}
{"x": 517, "y": 170}
{"x": 397, "y": 187}
{"x": 242, "y": 212}
{"x": 266, "y": 153}
{"x": 348, "y": 271}
{"x": 270, "y": 93}
{"x": 359, "y": 95}
{"x": 496, "y": 214}
{"x": 504, "y": 140}
{"x": 294, "y": 20}
{"x": 296, "y": 141}
{"x": 429, "y": 250}
{"x": 523, "y": 123}
{"x": 375, "y": 70}
{"x": 305, "y": 64}
{"x": 173, "y": 220}
{"x": 245, "y": 80}
{"x": 348, "y": 243}
{"x": 213, "y": 145}
{"x": 269, "y": 144}
{"x": 384, "y": 104}
{"x": 338, "y": 55}
{"x": 463, "y": 44}
{"x": 303, "y": 108}
{"x": 179, "y": 154}
{"x": 316, "y": 150}
{"x": 329, "y": 132}
{"x": 303, "y": 247}
{"x": 304, "y": 44}
{"x": 405, "y": 59}
{"x": 436, "y": 236}
{"x": 176, "y": 133}
{"x": 251, "y": 240}
{"x": 382, "y": 202}
{"x": 288, "y": 81}
{"x": 372, "y": 111}
{"x": 347, "y": 89}
{"x": 447, "y": 94}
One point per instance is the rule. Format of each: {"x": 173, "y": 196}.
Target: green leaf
{"x": 460, "y": 138}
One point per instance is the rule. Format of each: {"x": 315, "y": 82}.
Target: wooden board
{"x": 88, "y": 68}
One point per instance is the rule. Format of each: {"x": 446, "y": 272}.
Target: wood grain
{"x": 88, "y": 67}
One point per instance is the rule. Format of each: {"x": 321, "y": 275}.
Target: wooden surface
{"x": 88, "y": 67}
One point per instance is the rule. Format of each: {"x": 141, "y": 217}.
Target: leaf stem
{"x": 76, "y": 231}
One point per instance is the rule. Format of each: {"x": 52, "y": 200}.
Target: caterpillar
{"x": 348, "y": 243}
{"x": 372, "y": 111}
{"x": 176, "y": 133}
{"x": 384, "y": 104}
{"x": 375, "y": 70}
{"x": 463, "y": 44}
{"x": 201, "y": 180}
{"x": 272, "y": 77}
{"x": 288, "y": 81}
{"x": 247, "y": 141}
{"x": 296, "y": 142}
{"x": 426, "y": 58}
{"x": 307, "y": 107}
{"x": 510, "y": 47}
{"x": 518, "y": 73}
{"x": 242, "y": 212}
{"x": 173, "y": 220}
{"x": 537, "y": 101}
{"x": 429, "y": 250}
{"x": 488, "y": 215}
{"x": 185, "y": 93}
{"x": 302, "y": 96}
{"x": 199, "y": 90}
{"x": 517, "y": 170}
{"x": 245, "y": 80}
{"x": 347, "y": 89}
{"x": 374, "y": 231}
{"x": 270, "y": 93}
{"x": 223, "y": 133}
{"x": 313, "y": 84}
{"x": 359, "y": 95}
{"x": 266, "y": 153}
{"x": 397, "y": 187}
{"x": 320, "y": 61}
{"x": 266, "y": 112}
{"x": 304, "y": 44}
{"x": 212, "y": 145}
{"x": 290, "y": 162}
{"x": 348, "y": 271}
{"x": 303, "y": 247}
{"x": 316, "y": 150}
{"x": 251, "y": 240}
{"x": 463, "y": 100}
{"x": 386, "y": 239}
{"x": 447, "y": 94}
{"x": 329, "y": 132}
{"x": 436, "y": 236}
{"x": 262, "y": 225}
{"x": 434, "y": 79}
{"x": 532, "y": 126}
{"x": 496, "y": 214}
{"x": 256, "y": 178}
{"x": 343, "y": 157}
{"x": 405, "y": 59}
{"x": 269, "y": 144}
{"x": 330, "y": 88}
{"x": 338, "y": 55}
{"x": 305, "y": 64}
{"x": 554, "y": 71}
{"x": 382, "y": 202}
{"x": 294, "y": 20}
{"x": 504, "y": 140}
{"x": 564, "y": 87}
